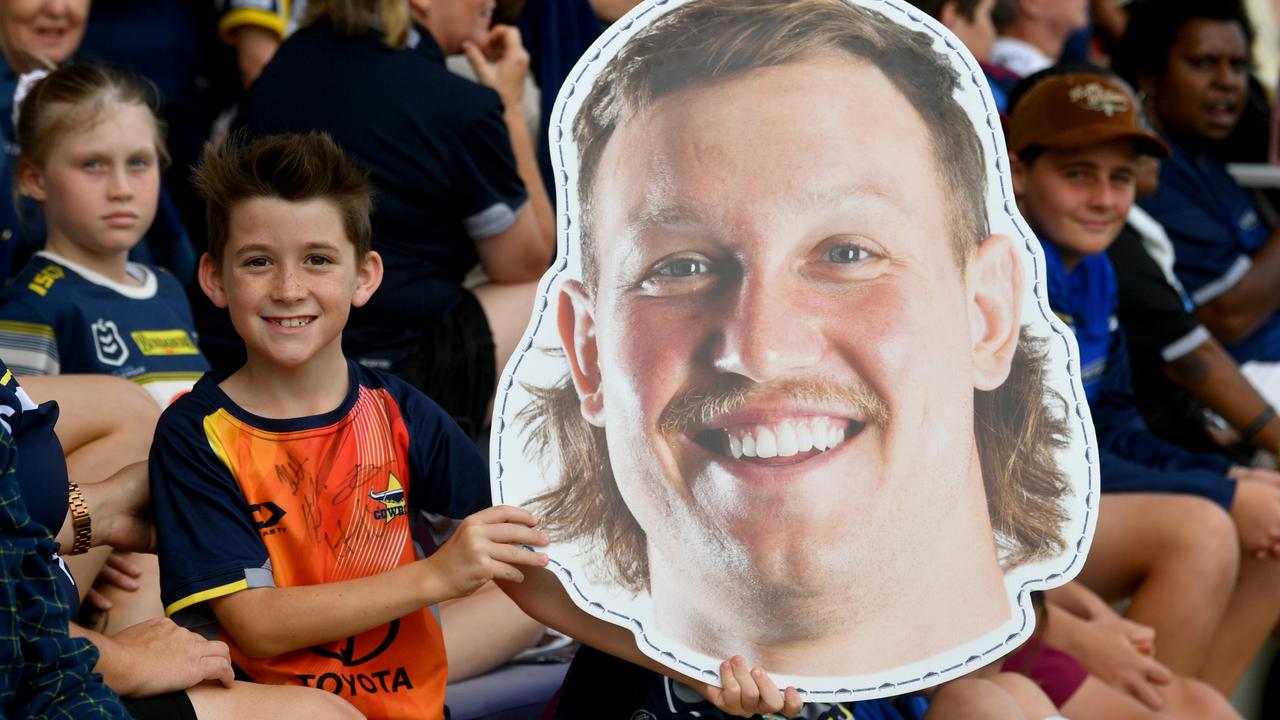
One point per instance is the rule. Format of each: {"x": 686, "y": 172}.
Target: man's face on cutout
{"x": 782, "y": 347}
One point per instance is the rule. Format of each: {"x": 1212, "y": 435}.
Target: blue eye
{"x": 847, "y": 254}
{"x": 683, "y": 267}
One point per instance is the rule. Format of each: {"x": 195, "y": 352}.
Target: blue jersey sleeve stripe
{"x": 1224, "y": 282}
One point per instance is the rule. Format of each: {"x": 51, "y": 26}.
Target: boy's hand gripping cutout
{"x": 486, "y": 546}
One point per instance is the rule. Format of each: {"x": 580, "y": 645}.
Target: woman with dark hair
{"x": 1189, "y": 61}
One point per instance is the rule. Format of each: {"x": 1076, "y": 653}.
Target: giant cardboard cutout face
{"x": 793, "y": 389}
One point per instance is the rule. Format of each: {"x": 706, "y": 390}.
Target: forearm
{"x": 1076, "y": 599}
{"x": 114, "y": 661}
{"x": 524, "y": 148}
{"x": 544, "y": 599}
{"x": 265, "y": 622}
{"x": 1212, "y": 375}
{"x": 114, "y": 506}
{"x": 1239, "y": 312}
{"x": 1065, "y": 629}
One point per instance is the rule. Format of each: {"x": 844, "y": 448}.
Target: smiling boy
{"x": 282, "y": 490}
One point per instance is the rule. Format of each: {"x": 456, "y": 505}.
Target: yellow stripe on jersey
{"x": 151, "y": 377}
{"x": 26, "y": 328}
{"x": 203, "y": 595}
{"x": 7, "y": 377}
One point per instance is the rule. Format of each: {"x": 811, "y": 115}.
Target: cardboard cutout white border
{"x": 513, "y": 475}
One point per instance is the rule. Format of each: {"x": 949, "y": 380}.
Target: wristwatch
{"x": 80, "y": 521}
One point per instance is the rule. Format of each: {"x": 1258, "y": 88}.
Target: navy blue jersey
{"x": 58, "y": 317}
{"x": 1215, "y": 231}
{"x": 241, "y": 501}
{"x": 1131, "y": 457}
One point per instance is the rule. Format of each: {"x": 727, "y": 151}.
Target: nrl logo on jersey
{"x": 392, "y": 498}
{"x": 108, "y": 343}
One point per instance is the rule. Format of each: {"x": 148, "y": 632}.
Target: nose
{"x": 119, "y": 186}
{"x": 1227, "y": 74}
{"x": 767, "y": 333}
{"x": 288, "y": 286}
{"x": 1104, "y": 195}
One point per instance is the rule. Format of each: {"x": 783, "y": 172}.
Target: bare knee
{"x": 1190, "y": 698}
{"x": 972, "y": 697}
{"x": 1202, "y": 538}
{"x": 1033, "y": 701}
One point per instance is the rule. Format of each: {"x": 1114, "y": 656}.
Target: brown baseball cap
{"x": 1066, "y": 112}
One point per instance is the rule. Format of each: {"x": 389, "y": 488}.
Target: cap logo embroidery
{"x": 1098, "y": 97}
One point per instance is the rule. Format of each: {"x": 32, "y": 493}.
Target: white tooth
{"x": 787, "y": 442}
{"x": 835, "y": 436}
{"x": 735, "y": 446}
{"x": 748, "y": 445}
{"x": 766, "y": 443}
{"x": 820, "y": 436}
{"x": 804, "y": 438}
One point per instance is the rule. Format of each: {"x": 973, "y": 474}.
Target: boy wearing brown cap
{"x": 1075, "y": 140}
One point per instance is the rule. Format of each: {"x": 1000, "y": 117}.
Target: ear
{"x": 368, "y": 278}
{"x": 210, "y": 277}
{"x": 420, "y": 10}
{"x": 995, "y": 310}
{"x": 576, "y": 321}
{"x": 1018, "y": 173}
{"x": 948, "y": 13}
{"x": 31, "y": 180}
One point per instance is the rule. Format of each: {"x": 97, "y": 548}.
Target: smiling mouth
{"x": 294, "y": 322}
{"x": 788, "y": 441}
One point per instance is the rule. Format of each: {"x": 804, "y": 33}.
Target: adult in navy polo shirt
{"x": 1190, "y": 60}
{"x": 450, "y": 168}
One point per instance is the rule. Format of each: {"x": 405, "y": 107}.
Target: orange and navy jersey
{"x": 243, "y": 502}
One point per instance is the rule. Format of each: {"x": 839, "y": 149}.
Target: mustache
{"x": 700, "y": 406}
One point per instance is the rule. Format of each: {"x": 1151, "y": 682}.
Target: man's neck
{"x": 1038, "y": 36}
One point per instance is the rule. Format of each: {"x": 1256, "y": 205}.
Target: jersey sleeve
{"x": 1156, "y": 316}
{"x": 28, "y": 339}
{"x": 451, "y": 478}
{"x": 208, "y": 541}
{"x": 1209, "y": 259}
{"x": 488, "y": 188}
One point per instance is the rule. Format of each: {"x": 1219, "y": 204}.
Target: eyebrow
{"x": 264, "y": 247}
{"x": 680, "y": 215}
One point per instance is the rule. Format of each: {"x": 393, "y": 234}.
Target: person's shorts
{"x": 169, "y": 706}
{"x": 1058, "y": 674}
{"x": 455, "y": 365}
